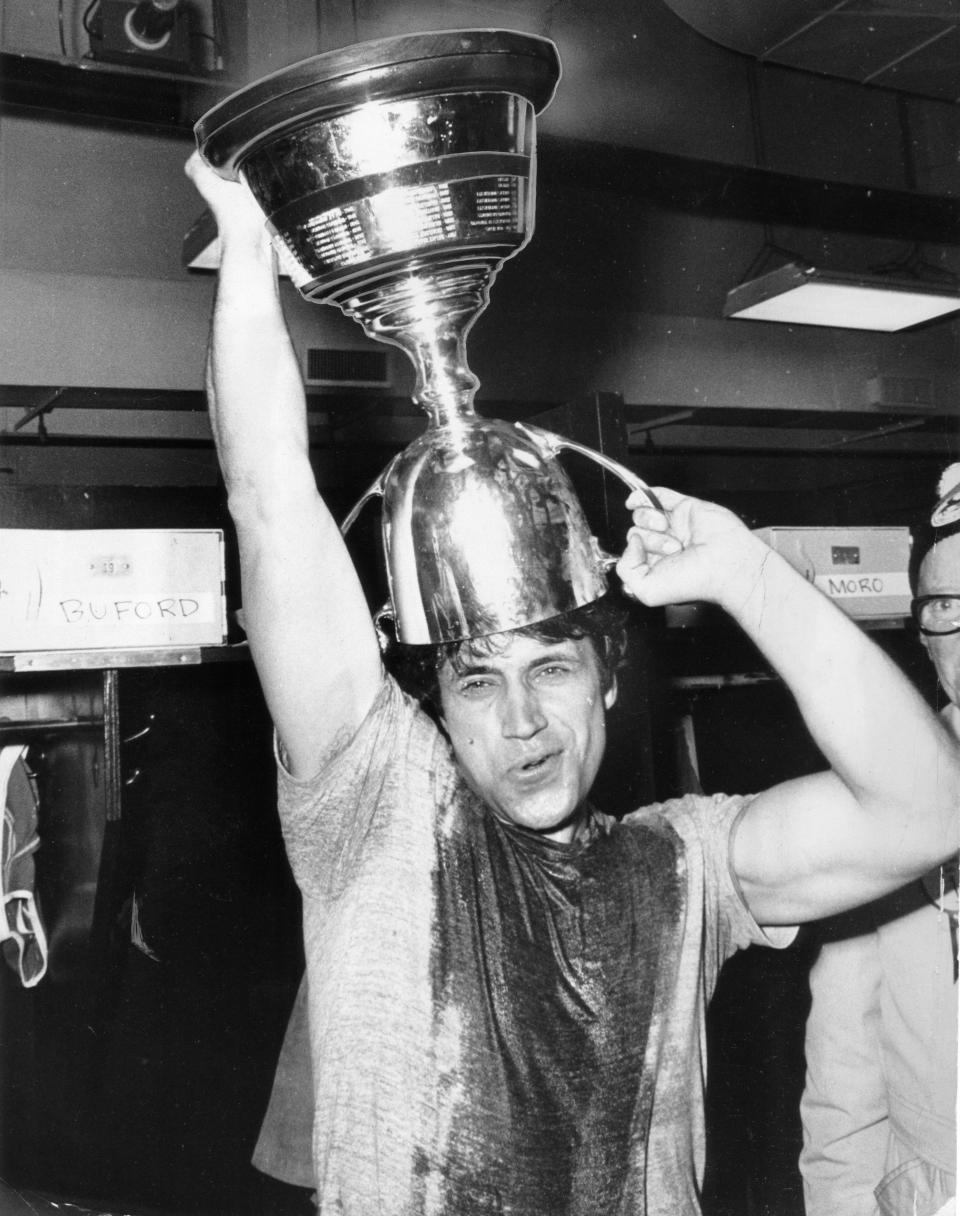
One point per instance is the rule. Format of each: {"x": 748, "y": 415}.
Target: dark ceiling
{"x": 912, "y": 46}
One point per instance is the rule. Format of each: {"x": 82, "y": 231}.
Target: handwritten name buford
{"x": 79, "y": 611}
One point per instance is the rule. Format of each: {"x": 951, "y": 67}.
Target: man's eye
{"x": 554, "y": 672}
{"x": 475, "y": 687}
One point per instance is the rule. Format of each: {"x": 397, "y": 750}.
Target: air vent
{"x": 356, "y": 368}
{"x": 903, "y": 392}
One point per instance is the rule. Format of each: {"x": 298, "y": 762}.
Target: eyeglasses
{"x": 936, "y": 614}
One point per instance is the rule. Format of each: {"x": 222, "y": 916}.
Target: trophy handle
{"x": 558, "y": 443}
{"x": 374, "y": 490}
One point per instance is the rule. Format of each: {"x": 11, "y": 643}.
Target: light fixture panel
{"x": 797, "y": 295}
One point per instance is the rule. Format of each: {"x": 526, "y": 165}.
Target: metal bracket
{"x": 38, "y": 411}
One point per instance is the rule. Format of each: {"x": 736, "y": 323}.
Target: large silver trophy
{"x": 396, "y": 177}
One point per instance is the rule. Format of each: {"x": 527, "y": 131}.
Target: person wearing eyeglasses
{"x": 879, "y": 1104}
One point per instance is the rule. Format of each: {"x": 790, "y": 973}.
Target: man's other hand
{"x": 692, "y": 550}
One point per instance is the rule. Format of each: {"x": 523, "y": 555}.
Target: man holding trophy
{"x": 507, "y": 987}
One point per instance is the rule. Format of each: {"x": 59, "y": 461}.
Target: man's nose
{"x": 522, "y": 713}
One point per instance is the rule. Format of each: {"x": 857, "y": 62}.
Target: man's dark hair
{"x": 602, "y": 622}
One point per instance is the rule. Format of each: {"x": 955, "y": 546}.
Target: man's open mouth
{"x": 536, "y": 766}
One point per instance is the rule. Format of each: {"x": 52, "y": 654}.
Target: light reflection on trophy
{"x": 396, "y": 177}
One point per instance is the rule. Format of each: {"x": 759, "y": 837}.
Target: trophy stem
{"x": 428, "y": 312}
{"x": 445, "y": 387}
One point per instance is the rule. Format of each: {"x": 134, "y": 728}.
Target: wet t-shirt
{"x": 500, "y": 1023}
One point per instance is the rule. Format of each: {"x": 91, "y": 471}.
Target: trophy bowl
{"x": 396, "y": 177}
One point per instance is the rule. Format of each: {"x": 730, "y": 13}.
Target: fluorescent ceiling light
{"x": 801, "y": 295}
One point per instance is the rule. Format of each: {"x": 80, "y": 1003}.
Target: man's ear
{"x": 610, "y": 696}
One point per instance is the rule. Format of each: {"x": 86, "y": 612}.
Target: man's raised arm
{"x": 305, "y": 613}
{"x": 889, "y": 809}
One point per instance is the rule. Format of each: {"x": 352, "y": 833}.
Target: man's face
{"x": 940, "y": 573}
{"x": 527, "y": 725}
